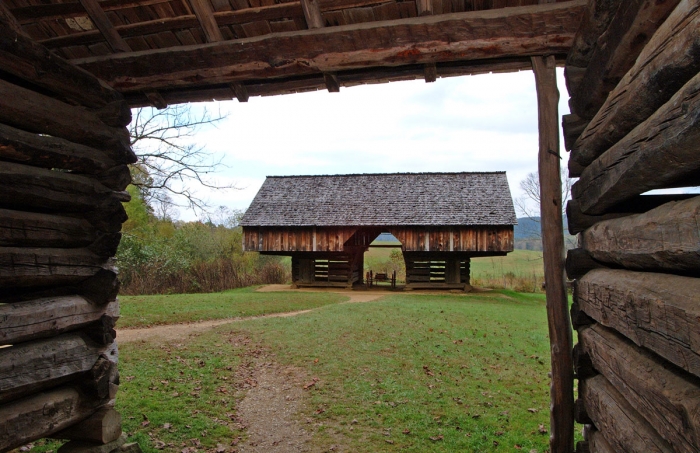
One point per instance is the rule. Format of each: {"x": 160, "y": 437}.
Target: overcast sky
{"x": 475, "y": 123}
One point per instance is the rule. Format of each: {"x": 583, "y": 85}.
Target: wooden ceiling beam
{"x": 29, "y": 14}
{"x": 205, "y": 15}
{"x": 283, "y": 10}
{"x": 104, "y": 25}
{"x": 499, "y": 33}
{"x": 312, "y": 14}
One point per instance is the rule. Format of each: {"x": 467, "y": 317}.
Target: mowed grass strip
{"x": 142, "y": 311}
{"x": 421, "y": 373}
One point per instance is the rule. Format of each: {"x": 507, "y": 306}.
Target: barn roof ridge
{"x": 429, "y": 199}
{"x": 427, "y": 173}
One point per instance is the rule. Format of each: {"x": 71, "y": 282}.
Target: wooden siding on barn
{"x": 482, "y": 240}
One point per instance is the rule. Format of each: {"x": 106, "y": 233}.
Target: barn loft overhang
{"x": 158, "y": 52}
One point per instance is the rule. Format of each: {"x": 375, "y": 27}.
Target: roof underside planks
{"x": 262, "y": 47}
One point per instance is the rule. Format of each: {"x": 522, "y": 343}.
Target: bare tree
{"x": 529, "y": 204}
{"x": 171, "y": 164}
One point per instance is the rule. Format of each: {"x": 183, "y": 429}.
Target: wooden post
{"x": 562, "y": 407}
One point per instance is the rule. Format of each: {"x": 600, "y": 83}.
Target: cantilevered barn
{"x": 71, "y": 69}
{"x": 326, "y": 223}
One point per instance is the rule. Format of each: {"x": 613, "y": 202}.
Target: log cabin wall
{"x": 635, "y": 127}
{"x": 64, "y": 150}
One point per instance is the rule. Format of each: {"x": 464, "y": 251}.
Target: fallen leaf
{"x": 406, "y": 431}
{"x": 542, "y": 429}
{"x": 437, "y": 438}
{"x": 533, "y": 410}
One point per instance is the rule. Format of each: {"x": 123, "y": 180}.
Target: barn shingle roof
{"x": 396, "y": 199}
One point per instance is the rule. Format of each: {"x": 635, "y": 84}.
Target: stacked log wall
{"x": 636, "y": 305}
{"x": 64, "y": 155}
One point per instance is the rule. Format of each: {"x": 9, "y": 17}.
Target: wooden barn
{"x": 71, "y": 69}
{"x": 326, "y": 224}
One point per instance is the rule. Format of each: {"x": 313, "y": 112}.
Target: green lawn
{"x": 140, "y": 311}
{"x": 416, "y": 373}
{"x": 409, "y": 373}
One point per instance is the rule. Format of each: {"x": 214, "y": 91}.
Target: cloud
{"x": 475, "y": 123}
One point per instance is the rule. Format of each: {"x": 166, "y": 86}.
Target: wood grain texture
{"x": 562, "y": 403}
{"x": 33, "y": 63}
{"x": 26, "y": 267}
{"x": 670, "y": 59}
{"x": 598, "y": 444}
{"x": 667, "y": 399}
{"x": 28, "y": 229}
{"x": 634, "y": 23}
{"x": 50, "y": 152}
{"x": 25, "y": 187}
{"x": 34, "y": 366}
{"x": 34, "y": 112}
{"x": 594, "y": 21}
{"x": 579, "y": 262}
{"x": 505, "y": 32}
{"x": 43, "y": 414}
{"x": 102, "y": 427}
{"x": 659, "y": 153}
{"x": 205, "y": 15}
{"x": 664, "y": 239}
{"x": 579, "y": 222}
{"x": 623, "y": 427}
{"x": 655, "y": 311}
{"x": 100, "y": 19}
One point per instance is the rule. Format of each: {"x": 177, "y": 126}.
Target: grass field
{"x": 413, "y": 373}
{"x": 141, "y": 311}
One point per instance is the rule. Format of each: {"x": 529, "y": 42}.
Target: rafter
{"x": 312, "y": 13}
{"x": 205, "y": 15}
{"x": 100, "y": 19}
{"x": 283, "y": 10}
{"x": 500, "y": 33}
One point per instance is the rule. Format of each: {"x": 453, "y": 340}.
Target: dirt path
{"x": 172, "y": 332}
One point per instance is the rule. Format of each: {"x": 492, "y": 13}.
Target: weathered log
{"x": 561, "y": 343}
{"x": 626, "y": 430}
{"x": 103, "y": 376}
{"x": 101, "y": 288}
{"x": 102, "y": 331}
{"x": 108, "y": 216}
{"x": 598, "y": 444}
{"x": 26, "y": 187}
{"x": 582, "y": 447}
{"x": 24, "y": 58}
{"x": 594, "y": 21}
{"x": 51, "y": 152}
{"x": 34, "y": 112}
{"x": 664, "y": 239}
{"x": 115, "y": 114}
{"x": 116, "y": 446}
{"x": 578, "y": 317}
{"x": 102, "y": 427}
{"x": 667, "y": 399}
{"x": 671, "y": 58}
{"x": 572, "y": 126}
{"x": 43, "y": 414}
{"x": 634, "y": 23}
{"x": 42, "y": 318}
{"x": 659, "y": 153}
{"x": 655, "y": 311}
{"x": 578, "y": 262}
{"x": 580, "y": 414}
{"x": 31, "y": 367}
{"x": 106, "y": 244}
{"x": 503, "y": 32}
{"x": 28, "y": 229}
{"x": 22, "y": 267}
{"x": 116, "y": 178}
{"x": 578, "y": 221}
{"x": 583, "y": 366}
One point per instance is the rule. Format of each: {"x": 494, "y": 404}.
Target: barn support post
{"x": 561, "y": 344}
